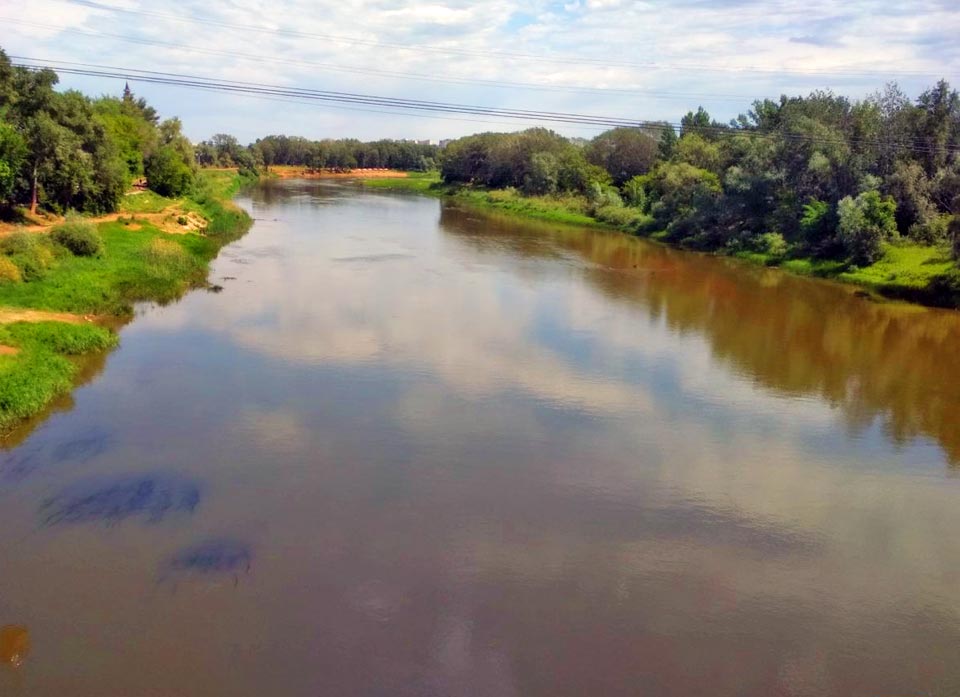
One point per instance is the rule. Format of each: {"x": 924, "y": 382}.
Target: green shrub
{"x": 865, "y": 223}
{"x": 79, "y": 236}
{"x": 933, "y": 231}
{"x": 30, "y": 253}
{"x": 9, "y": 272}
{"x": 772, "y": 244}
{"x": 17, "y": 243}
{"x": 167, "y": 259}
{"x": 622, "y": 217}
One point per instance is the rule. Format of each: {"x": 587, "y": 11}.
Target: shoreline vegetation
{"x": 905, "y": 271}
{"x": 69, "y": 311}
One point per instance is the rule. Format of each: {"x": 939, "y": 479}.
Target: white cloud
{"x": 671, "y": 58}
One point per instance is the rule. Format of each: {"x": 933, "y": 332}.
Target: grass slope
{"x": 138, "y": 262}
{"x": 43, "y": 369}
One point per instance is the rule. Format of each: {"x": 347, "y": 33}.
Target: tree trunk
{"x": 33, "y": 195}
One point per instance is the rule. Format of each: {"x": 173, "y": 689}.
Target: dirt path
{"x": 166, "y": 220}
{"x": 9, "y": 315}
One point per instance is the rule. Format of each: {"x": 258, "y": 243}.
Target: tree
{"x": 13, "y": 152}
{"x": 865, "y": 223}
{"x": 167, "y": 173}
{"x": 624, "y": 153}
{"x": 542, "y": 177}
{"x": 954, "y": 231}
{"x": 699, "y": 152}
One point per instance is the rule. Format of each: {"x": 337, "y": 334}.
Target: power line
{"x": 487, "y": 54}
{"x": 355, "y": 99}
{"x": 577, "y": 89}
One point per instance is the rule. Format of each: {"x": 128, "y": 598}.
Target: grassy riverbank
{"x": 136, "y": 258}
{"x": 906, "y": 270}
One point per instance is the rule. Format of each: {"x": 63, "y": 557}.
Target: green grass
{"x": 134, "y": 265}
{"x": 569, "y": 210}
{"x": 908, "y": 266}
{"x": 42, "y": 370}
{"x": 144, "y": 202}
{"x": 122, "y": 275}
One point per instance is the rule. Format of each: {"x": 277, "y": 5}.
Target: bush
{"x": 933, "y": 231}
{"x": 603, "y": 196}
{"x": 9, "y": 272}
{"x": 167, "y": 173}
{"x": 865, "y": 223}
{"x": 78, "y": 236}
{"x": 772, "y": 244}
{"x": 17, "y": 243}
{"x": 625, "y": 218}
{"x": 167, "y": 258}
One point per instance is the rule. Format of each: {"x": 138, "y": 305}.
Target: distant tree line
{"x": 823, "y": 174}
{"x": 63, "y": 150}
{"x": 343, "y": 154}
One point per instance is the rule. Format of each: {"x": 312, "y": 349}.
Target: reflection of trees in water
{"x": 789, "y": 334}
{"x": 114, "y": 499}
{"x": 208, "y": 559}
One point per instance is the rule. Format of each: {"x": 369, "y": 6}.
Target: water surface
{"x": 412, "y": 449}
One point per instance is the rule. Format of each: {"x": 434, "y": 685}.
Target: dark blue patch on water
{"x": 112, "y": 500}
{"x": 211, "y": 557}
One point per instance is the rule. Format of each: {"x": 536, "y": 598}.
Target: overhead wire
{"x": 474, "y": 82}
{"x": 432, "y": 107}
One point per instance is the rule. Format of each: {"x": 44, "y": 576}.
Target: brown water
{"x": 415, "y": 450}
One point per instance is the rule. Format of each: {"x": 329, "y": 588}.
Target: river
{"x": 415, "y": 449}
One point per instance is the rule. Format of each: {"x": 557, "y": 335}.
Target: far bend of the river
{"x": 414, "y": 449}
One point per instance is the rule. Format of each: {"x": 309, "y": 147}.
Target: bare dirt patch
{"x": 8, "y": 350}
{"x": 9, "y": 315}
{"x": 294, "y": 172}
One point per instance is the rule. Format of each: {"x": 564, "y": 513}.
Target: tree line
{"x": 822, "y": 175}
{"x": 344, "y": 154}
{"x": 65, "y": 151}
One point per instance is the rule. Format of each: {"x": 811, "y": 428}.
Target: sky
{"x": 616, "y": 58}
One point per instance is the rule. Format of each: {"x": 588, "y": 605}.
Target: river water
{"x": 412, "y": 449}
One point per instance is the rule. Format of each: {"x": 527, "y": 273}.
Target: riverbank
{"x": 299, "y": 172}
{"x": 60, "y": 300}
{"x": 925, "y": 275}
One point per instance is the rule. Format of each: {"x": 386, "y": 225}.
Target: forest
{"x": 820, "y": 176}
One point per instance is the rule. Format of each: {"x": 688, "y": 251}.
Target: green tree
{"x": 542, "y": 175}
{"x": 167, "y": 173}
{"x": 13, "y": 152}
{"x": 624, "y": 153}
{"x": 865, "y": 223}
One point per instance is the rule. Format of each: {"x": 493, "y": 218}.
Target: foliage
{"x": 78, "y": 236}
{"x": 32, "y": 254}
{"x": 41, "y": 369}
{"x": 865, "y": 223}
{"x": 623, "y": 152}
{"x": 167, "y": 172}
{"x": 772, "y": 244}
{"x": 321, "y": 154}
{"x": 634, "y": 194}
{"x": 9, "y": 272}
{"x": 954, "y": 232}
